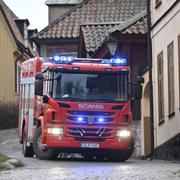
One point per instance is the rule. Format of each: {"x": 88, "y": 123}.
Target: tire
{"x": 122, "y": 156}
{"x": 26, "y": 150}
{"x": 88, "y": 157}
{"x": 40, "y": 151}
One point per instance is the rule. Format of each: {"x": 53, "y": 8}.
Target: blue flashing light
{"x": 56, "y": 58}
{"x": 80, "y": 119}
{"x": 115, "y": 61}
{"x": 62, "y": 59}
{"x": 119, "y": 61}
{"x": 100, "y": 119}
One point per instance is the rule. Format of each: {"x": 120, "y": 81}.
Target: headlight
{"x": 55, "y": 131}
{"x": 123, "y": 133}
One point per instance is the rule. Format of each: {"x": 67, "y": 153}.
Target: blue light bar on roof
{"x": 115, "y": 61}
{"x": 62, "y": 59}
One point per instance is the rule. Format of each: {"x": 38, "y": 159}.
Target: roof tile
{"x": 98, "y": 33}
{"x": 93, "y": 11}
{"x": 11, "y": 17}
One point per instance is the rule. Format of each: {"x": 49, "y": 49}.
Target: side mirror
{"x": 140, "y": 80}
{"x": 45, "y": 99}
{"x": 39, "y": 76}
{"x": 39, "y": 87}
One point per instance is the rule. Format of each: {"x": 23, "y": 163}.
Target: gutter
{"x": 149, "y": 56}
{"x": 23, "y": 49}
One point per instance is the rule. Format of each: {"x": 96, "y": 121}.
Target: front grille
{"x": 101, "y": 132}
{"x": 85, "y": 119}
{"x": 91, "y": 113}
{"x": 89, "y": 127}
{"x": 74, "y": 115}
{"x": 90, "y": 139}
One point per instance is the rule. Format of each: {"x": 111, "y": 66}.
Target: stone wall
{"x": 136, "y": 127}
{"x": 169, "y": 150}
{"x": 8, "y": 115}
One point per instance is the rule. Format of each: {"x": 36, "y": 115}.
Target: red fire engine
{"x": 76, "y": 105}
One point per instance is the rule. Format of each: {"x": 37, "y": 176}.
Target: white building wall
{"x": 159, "y": 11}
{"x": 165, "y": 32}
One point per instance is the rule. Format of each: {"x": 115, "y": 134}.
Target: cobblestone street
{"x": 81, "y": 169}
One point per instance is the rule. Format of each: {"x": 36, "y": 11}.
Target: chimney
{"x": 57, "y": 8}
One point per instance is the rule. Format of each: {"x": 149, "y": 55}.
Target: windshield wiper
{"x": 107, "y": 100}
{"x": 71, "y": 98}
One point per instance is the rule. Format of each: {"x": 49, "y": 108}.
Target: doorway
{"x": 147, "y": 121}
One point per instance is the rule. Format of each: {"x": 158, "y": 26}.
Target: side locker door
{"x": 21, "y": 108}
{"x": 26, "y": 105}
{"x": 31, "y": 111}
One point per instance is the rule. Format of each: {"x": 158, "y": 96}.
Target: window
{"x": 48, "y": 82}
{"x": 170, "y": 57}
{"x": 17, "y": 76}
{"x": 96, "y": 87}
{"x": 179, "y": 65}
{"x": 158, "y": 3}
{"x": 160, "y": 87}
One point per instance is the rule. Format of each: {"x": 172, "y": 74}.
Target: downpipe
{"x": 149, "y": 56}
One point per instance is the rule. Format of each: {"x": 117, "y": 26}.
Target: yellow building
{"x": 14, "y": 48}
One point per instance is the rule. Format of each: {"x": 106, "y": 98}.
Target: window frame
{"x": 17, "y": 77}
{"x": 171, "y": 89}
{"x": 179, "y": 66}
{"x": 160, "y": 79}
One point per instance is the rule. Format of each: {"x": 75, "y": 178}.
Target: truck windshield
{"x": 96, "y": 87}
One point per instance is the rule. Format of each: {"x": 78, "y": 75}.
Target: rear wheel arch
{"x": 41, "y": 151}
{"x": 22, "y": 130}
{"x": 26, "y": 150}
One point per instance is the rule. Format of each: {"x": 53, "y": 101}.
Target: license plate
{"x": 89, "y": 145}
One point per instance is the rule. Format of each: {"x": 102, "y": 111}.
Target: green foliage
{"x": 3, "y": 158}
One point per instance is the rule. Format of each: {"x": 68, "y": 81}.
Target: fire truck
{"x": 76, "y": 105}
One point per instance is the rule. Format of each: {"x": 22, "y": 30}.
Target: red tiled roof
{"x": 92, "y": 11}
{"x": 95, "y": 34}
{"x": 11, "y": 17}
{"x": 52, "y": 2}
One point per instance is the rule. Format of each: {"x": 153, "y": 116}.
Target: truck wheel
{"x": 122, "y": 155}
{"x": 26, "y": 150}
{"x": 88, "y": 157}
{"x": 41, "y": 151}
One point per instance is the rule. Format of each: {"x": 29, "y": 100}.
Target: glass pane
{"x": 90, "y": 87}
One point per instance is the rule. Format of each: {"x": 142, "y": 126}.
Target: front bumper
{"x": 62, "y": 142}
